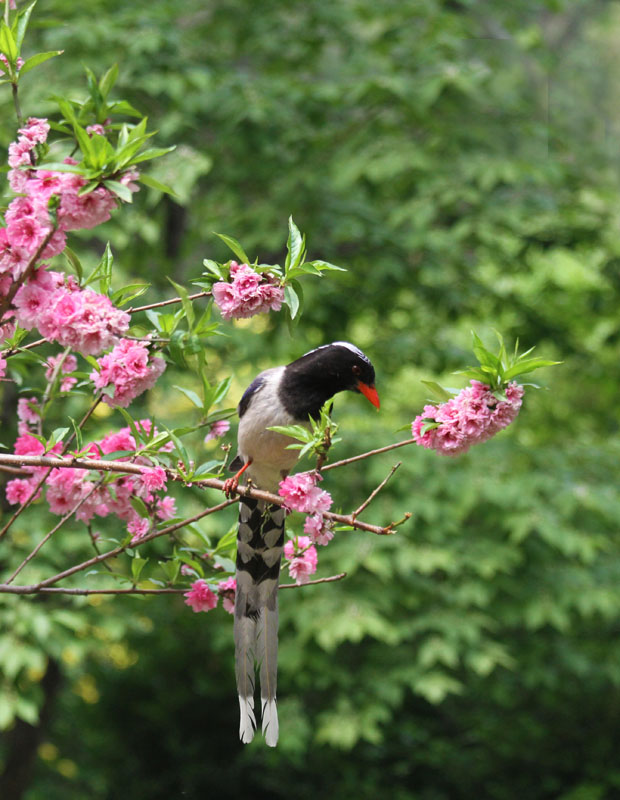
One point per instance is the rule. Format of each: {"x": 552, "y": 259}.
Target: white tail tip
{"x": 247, "y": 720}
{"x": 270, "y": 722}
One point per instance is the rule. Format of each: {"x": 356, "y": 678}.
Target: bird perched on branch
{"x": 280, "y": 396}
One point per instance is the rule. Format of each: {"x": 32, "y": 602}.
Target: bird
{"x": 284, "y": 395}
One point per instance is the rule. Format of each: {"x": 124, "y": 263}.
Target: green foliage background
{"x": 460, "y": 159}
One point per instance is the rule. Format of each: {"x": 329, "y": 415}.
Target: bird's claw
{"x": 230, "y": 486}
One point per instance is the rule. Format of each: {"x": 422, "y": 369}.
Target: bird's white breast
{"x": 267, "y": 449}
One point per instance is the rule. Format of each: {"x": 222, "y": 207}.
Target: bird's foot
{"x": 230, "y": 486}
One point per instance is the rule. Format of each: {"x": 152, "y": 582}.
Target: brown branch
{"x": 167, "y": 302}
{"x": 34, "y": 589}
{"x": 353, "y": 459}
{"x": 376, "y": 491}
{"x": 212, "y": 483}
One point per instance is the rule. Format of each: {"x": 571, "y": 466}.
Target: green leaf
{"x": 139, "y": 506}
{"x": 192, "y": 396}
{"x": 75, "y": 263}
{"x": 108, "y": 81}
{"x": 8, "y": 45}
{"x": 78, "y": 433}
{"x": 153, "y": 152}
{"x": 438, "y": 391}
{"x": 325, "y": 266}
{"x": 529, "y": 365}
{"x": 40, "y": 58}
{"x": 234, "y": 246}
{"x": 147, "y": 180}
{"x": 137, "y": 565}
{"x": 429, "y": 425}
{"x": 295, "y": 246}
{"x": 22, "y": 24}
{"x": 291, "y": 299}
{"x": 185, "y": 302}
{"x": 120, "y": 190}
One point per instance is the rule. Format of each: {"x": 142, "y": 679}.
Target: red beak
{"x": 370, "y": 393}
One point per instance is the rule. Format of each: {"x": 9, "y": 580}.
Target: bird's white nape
{"x": 348, "y": 345}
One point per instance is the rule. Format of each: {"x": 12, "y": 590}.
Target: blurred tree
{"x": 460, "y": 159}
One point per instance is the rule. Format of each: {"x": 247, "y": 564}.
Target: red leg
{"x": 231, "y": 484}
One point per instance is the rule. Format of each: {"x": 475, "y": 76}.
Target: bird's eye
{"x": 356, "y": 370}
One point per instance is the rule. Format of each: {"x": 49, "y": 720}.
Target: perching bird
{"x": 279, "y": 396}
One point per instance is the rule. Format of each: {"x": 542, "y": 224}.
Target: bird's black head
{"x": 320, "y": 374}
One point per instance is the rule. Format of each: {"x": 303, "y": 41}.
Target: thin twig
{"x": 167, "y": 302}
{"x": 15, "y": 350}
{"x": 373, "y": 494}
{"x": 353, "y": 459}
{"x": 18, "y": 110}
{"x": 11, "y": 470}
{"x": 4, "y": 306}
{"x": 329, "y": 579}
{"x": 44, "y": 477}
{"x": 56, "y": 527}
{"x": 121, "y": 548}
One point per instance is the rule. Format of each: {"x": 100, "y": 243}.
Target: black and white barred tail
{"x": 260, "y": 541}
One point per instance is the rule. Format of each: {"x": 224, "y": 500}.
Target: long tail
{"x": 260, "y": 541}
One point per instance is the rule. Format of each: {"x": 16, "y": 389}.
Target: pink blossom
{"x": 302, "y": 555}
{"x": 248, "y": 293}
{"x": 139, "y": 527}
{"x": 66, "y": 487}
{"x": 129, "y": 369}
{"x": 166, "y": 507}
{"x": 69, "y": 364}
{"x": 2, "y": 367}
{"x": 217, "y": 429}
{"x": 152, "y": 479}
{"x": 200, "y": 597}
{"x": 27, "y": 445}
{"x": 96, "y": 128}
{"x": 301, "y": 493}
{"x": 77, "y": 318}
{"x": 472, "y": 417}
{"x": 19, "y": 491}
{"x": 226, "y": 590}
{"x": 28, "y": 413}
{"x": 318, "y": 529}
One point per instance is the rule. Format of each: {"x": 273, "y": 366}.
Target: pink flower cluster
{"x": 66, "y": 487}
{"x": 65, "y": 316}
{"x": 129, "y": 370}
{"x": 227, "y": 590}
{"x": 248, "y": 294}
{"x": 2, "y": 367}
{"x": 78, "y": 318}
{"x": 301, "y": 493}
{"x": 217, "y": 429}
{"x": 472, "y": 417}
{"x": 302, "y": 557}
{"x": 69, "y": 364}
{"x": 201, "y": 597}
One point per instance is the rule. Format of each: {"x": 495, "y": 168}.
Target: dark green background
{"x": 460, "y": 159}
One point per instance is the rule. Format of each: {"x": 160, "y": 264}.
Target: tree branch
{"x": 34, "y": 589}
{"x": 167, "y": 302}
